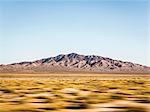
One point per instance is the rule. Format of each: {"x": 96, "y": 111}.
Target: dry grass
{"x": 71, "y": 93}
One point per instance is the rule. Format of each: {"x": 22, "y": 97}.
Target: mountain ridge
{"x": 72, "y": 63}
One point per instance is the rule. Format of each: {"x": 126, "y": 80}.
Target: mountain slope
{"x": 75, "y": 63}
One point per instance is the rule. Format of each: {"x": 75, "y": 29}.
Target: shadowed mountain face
{"x": 74, "y": 63}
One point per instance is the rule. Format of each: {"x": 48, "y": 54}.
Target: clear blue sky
{"x": 32, "y": 29}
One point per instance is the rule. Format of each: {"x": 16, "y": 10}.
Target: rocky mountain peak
{"x": 76, "y": 62}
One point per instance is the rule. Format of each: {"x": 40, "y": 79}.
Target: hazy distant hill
{"x": 65, "y": 63}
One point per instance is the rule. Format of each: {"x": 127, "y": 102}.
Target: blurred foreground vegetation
{"x": 75, "y": 94}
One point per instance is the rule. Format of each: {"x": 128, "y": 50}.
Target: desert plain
{"x": 74, "y": 92}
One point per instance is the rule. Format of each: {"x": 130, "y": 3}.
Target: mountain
{"x": 75, "y": 63}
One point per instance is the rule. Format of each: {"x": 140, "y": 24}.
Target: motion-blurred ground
{"x": 74, "y": 93}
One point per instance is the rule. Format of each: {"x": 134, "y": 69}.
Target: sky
{"x": 35, "y": 29}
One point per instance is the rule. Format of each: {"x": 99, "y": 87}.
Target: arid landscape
{"x": 74, "y": 56}
{"x": 74, "y": 83}
{"x": 75, "y": 63}
{"x": 74, "y": 93}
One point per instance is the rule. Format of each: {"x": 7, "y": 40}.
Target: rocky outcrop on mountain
{"x": 73, "y": 62}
